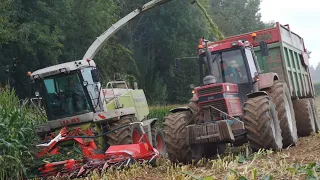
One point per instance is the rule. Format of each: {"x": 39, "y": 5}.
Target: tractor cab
{"x": 228, "y": 71}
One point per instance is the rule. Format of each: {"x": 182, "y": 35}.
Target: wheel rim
{"x": 313, "y": 126}
{"x": 135, "y": 136}
{"x": 160, "y": 144}
{"x": 273, "y": 126}
{"x": 289, "y": 114}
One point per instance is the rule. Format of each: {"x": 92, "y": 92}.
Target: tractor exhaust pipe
{"x": 209, "y": 59}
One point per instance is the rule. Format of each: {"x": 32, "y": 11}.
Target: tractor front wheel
{"x": 126, "y": 135}
{"x": 175, "y": 137}
{"x": 261, "y": 121}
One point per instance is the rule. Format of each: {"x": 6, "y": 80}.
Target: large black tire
{"x": 123, "y": 135}
{"x": 304, "y": 117}
{"x": 315, "y": 113}
{"x": 158, "y": 140}
{"x": 281, "y": 97}
{"x": 261, "y": 121}
{"x": 175, "y": 137}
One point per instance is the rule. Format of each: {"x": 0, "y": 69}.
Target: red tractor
{"x": 237, "y": 103}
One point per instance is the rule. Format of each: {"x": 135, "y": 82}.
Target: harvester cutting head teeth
{"x": 118, "y": 156}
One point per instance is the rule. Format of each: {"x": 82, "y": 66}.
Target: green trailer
{"x": 287, "y": 57}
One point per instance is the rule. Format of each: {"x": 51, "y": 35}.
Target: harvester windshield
{"x": 65, "y": 96}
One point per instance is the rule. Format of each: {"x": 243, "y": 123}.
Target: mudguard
{"x": 179, "y": 109}
{"x": 266, "y": 80}
{"x": 256, "y": 94}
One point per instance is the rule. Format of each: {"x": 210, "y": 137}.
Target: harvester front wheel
{"x": 126, "y": 135}
{"x": 304, "y": 115}
{"x": 261, "y": 121}
{"x": 158, "y": 140}
{"x": 281, "y": 97}
{"x": 175, "y": 137}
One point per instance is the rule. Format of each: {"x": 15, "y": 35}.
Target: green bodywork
{"x": 132, "y": 98}
{"x": 287, "y": 61}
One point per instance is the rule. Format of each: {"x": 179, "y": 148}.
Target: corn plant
{"x": 160, "y": 112}
{"x": 16, "y": 136}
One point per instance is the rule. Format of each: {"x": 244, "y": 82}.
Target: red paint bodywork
{"x": 270, "y": 35}
{"x": 114, "y": 156}
{"x": 233, "y": 104}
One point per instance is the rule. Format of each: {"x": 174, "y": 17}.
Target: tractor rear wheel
{"x": 304, "y": 117}
{"x": 261, "y": 121}
{"x": 315, "y": 114}
{"x": 175, "y": 137}
{"x": 158, "y": 140}
{"x": 126, "y": 135}
{"x": 281, "y": 97}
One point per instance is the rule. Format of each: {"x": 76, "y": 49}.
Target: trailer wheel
{"x": 281, "y": 97}
{"x": 175, "y": 137}
{"x": 158, "y": 140}
{"x": 126, "y": 135}
{"x": 261, "y": 121}
{"x": 315, "y": 114}
{"x": 304, "y": 116}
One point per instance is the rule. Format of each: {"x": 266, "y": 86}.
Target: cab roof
{"x": 62, "y": 68}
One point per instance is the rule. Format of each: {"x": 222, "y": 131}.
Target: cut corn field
{"x": 17, "y": 161}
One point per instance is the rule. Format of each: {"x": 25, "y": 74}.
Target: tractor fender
{"x": 266, "y": 80}
{"x": 179, "y": 109}
{"x": 256, "y": 94}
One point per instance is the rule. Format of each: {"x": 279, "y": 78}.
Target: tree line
{"x": 315, "y": 73}
{"x": 38, "y": 33}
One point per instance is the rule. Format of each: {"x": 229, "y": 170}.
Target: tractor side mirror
{"x": 95, "y": 75}
{"x": 177, "y": 64}
{"x": 264, "y": 48}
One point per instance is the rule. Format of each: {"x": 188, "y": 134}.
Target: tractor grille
{"x": 210, "y": 90}
{"x": 220, "y": 104}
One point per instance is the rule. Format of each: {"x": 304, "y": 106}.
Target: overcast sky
{"x": 303, "y": 18}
